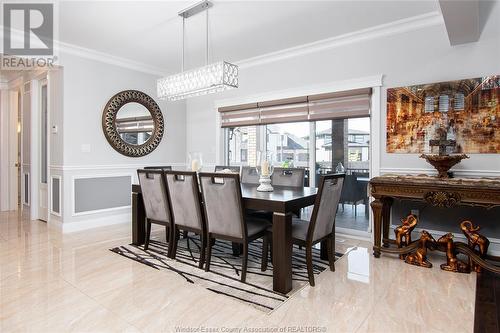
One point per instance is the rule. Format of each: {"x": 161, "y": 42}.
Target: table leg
{"x": 386, "y": 220}
{"x": 377, "y": 225}
{"x": 138, "y": 219}
{"x": 282, "y": 252}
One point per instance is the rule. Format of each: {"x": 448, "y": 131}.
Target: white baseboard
{"x": 95, "y": 222}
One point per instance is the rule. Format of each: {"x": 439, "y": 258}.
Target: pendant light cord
{"x": 207, "y": 35}
{"x": 183, "y": 38}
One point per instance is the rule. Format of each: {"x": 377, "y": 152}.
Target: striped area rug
{"x": 225, "y": 269}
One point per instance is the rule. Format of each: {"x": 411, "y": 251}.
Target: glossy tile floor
{"x": 51, "y": 282}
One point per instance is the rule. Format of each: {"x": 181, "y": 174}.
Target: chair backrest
{"x": 288, "y": 177}
{"x": 185, "y": 200}
{"x": 164, "y": 168}
{"x": 352, "y": 190}
{"x": 325, "y": 206}
{"x": 223, "y": 207}
{"x": 249, "y": 175}
{"x": 155, "y": 195}
{"x": 232, "y": 168}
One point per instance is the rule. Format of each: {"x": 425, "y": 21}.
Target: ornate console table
{"x": 438, "y": 192}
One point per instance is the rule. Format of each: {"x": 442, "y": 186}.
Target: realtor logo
{"x": 28, "y": 29}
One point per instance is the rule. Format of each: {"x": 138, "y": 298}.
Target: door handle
{"x": 17, "y": 165}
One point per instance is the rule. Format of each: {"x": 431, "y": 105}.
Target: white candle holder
{"x": 265, "y": 184}
{"x": 265, "y": 170}
{"x": 195, "y": 161}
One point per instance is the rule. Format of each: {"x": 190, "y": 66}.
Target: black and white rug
{"x": 225, "y": 269}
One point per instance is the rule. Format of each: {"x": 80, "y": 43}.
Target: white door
{"x": 43, "y": 154}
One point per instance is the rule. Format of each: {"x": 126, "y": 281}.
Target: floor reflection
{"x": 358, "y": 264}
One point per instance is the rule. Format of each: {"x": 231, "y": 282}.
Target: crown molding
{"x": 108, "y": 58}
{"x": 396, "y": 27}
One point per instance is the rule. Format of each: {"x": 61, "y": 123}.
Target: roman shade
{"x": 338, "y": 105}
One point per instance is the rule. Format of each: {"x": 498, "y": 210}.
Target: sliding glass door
{"x": 344, "y": 144}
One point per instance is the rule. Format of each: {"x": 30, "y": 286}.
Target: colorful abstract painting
{"x": 465, "y": 112}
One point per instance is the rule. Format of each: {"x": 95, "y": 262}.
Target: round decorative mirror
{"x": 132, "y": 123}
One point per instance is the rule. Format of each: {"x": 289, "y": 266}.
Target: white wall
{"x": 88, "y": 85}
{"x": 420, "y": 56}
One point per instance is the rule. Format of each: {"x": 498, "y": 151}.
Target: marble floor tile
{"x": 54, "y": 282}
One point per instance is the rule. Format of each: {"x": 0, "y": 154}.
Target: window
{"x": 243, "y": 144}
{"x": 459, "y": 102}
{"x": 444, "y": 103}
{"x": 345, "y": 141}
{"x": 289, "y": 144}
{"x": 244, "y": 157}
{"x": 429, "y": 104}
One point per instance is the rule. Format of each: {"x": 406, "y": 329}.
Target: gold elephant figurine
{"x": 475, "y": 239}
{"x": 419, "y": 257}
{"x": 403, "y": 232}
{"x": 453, "y": 264}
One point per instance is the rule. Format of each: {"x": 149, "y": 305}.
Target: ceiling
{"x": 149, "y": 32}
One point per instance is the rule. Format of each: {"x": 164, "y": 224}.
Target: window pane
{"x": 444, "y": 103}
{"x": 243, "y": 143}
{"x": 429, "y": 104}
{"x": 289, "y": 144}
{"x": 459, "y": 102}
{"x": 323, "y": 147}
{"x": 346, "y": 141}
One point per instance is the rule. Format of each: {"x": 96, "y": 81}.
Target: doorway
{"x": 19, "y": 143}
{"x": 43, "y": 153}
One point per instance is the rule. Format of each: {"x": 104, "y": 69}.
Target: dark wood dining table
{"x": 282, "y": 202}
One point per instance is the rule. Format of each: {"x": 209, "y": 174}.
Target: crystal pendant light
{"x": 208, "y": 79}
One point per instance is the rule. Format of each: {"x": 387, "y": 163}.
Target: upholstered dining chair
{"x": 187, "y": 211}
{"x": 232, "y": 168}
{"x": 225, "y": 217}
{"x": 159, "y": 167}
{"x": 249, "y": 175}
{"x": 156, "y": 203}
{"x": 321, "y": 225}
{"x": 293, "y": 177}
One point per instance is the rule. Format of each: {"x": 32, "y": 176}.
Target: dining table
{"x": 282, "y": 202}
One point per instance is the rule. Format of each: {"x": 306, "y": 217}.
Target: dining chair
{"x": 156, "y": 203}
{"x": 164, "y": 168}
{"x": 225, "y": 218}
{"x": 232, "y": 168}
{"x": 249, "y": 175}
{"x": 293, "y": 177}
{"x": 353, "y": 193}
{"x": 187, "y": 211}
{"x": 321, "y": 226}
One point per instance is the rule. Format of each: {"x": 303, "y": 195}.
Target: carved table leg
{"x": 386, "y": 219}
{"x": 377, "y": 225}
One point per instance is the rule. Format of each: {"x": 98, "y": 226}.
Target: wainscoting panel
{"x": 55, "y": 199}
{"x": 92, "y": 194}
{"x": 26, "y": 187}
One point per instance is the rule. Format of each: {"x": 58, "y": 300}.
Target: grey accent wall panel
{"x": 102, "y": 193}
{"x": 26, "y": 189}
{"x": 56, "y": 188}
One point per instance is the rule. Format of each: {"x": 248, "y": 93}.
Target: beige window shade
{"x": 345, "y": 104}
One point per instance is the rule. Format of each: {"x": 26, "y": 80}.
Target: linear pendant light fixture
{"x": 204, "y": 80}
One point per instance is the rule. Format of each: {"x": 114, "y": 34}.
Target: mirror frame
{"x": 109, "y": 128}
